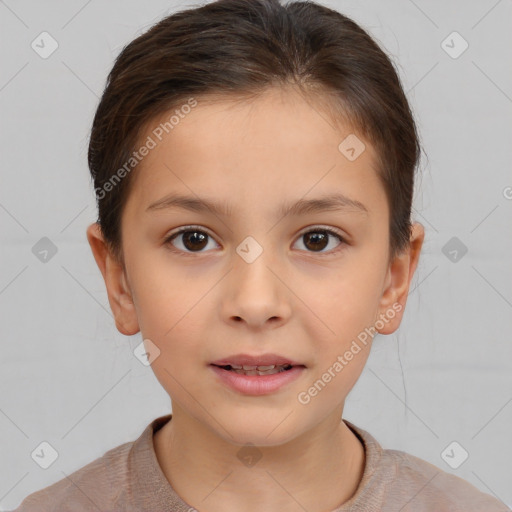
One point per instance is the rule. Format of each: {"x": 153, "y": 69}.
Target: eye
{"x": 190, "y": 238}
{"x": 317, "y": 239}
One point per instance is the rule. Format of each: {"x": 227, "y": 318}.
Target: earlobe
{"x": 398, "y": 280}
{"x": 118, "y": 290}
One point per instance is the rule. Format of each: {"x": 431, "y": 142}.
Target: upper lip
{"x": 261, "y": 360}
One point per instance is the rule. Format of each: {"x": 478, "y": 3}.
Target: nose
{"x": 256, "y": 294}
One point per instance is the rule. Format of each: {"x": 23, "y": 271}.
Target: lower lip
{"x": 257, "y": 384}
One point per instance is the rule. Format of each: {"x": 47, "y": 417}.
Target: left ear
{"x": 398, "y": 280}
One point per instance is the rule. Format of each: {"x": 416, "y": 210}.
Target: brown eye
{"x": 316, "y": 240}
{"x": 193, "y": 240}
{"x": 189, "y": 240}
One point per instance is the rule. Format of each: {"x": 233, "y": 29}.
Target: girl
{"x": 254, "y": 169}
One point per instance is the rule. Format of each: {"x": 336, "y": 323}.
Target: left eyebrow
{"x": 332, "y": 202}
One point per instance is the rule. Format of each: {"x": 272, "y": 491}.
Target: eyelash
{"x": 314, "y": 229}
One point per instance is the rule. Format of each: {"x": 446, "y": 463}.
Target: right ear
{"x": 118, "y": 290}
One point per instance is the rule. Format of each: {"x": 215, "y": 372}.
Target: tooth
{"x": 247, "y": 367}
{"x": 236, "y": 366}
{"x": 259, "y": 373}
{"x": 264, "y": 368}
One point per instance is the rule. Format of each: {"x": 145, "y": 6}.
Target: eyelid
{"x": 321, "y": 227}
{"x": 189, "y": 228}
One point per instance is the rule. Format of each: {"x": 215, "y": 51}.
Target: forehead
{"x": 259, "y": 147}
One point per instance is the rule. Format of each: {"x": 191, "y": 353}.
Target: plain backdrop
{"x": 69, "y": 378}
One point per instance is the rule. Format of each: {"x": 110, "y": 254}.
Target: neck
{"x": 316, "y": 471}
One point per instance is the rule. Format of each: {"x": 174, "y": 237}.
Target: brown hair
{"x": 239, "y": 48}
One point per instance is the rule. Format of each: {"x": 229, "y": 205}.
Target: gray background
{"x": 69, "y": 378}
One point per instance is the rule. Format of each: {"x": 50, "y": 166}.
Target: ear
{"x": 118, "y": 290}
{"x": 398, "y": 280}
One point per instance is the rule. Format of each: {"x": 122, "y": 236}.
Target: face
{"x": 309, "y": 285}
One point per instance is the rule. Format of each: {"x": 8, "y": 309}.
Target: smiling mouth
{"x": 256, "y": 370}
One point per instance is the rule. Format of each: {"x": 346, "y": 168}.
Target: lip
{"x": 259, "y": 360}
{"x": 257, "y": 384}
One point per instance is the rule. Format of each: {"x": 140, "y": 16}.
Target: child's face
{"x": 200, "y": 300}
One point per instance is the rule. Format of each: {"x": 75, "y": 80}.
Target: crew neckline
{"x": 150, "y": 482}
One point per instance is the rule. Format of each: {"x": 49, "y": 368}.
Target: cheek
{"x": 350, "y": 299}
{"x": 165, "y": 297}
{"x": 168, "y": 304}
{"x": 347, "y": 305}
{"x": 179, "y": 360}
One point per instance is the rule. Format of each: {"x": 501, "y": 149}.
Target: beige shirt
{"x": 129, "y": 478}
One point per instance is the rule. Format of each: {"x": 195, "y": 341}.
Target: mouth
{"x": 257, "y": 370}
{"x": 257, "y": 379}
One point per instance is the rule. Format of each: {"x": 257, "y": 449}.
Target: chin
{"x": 272, "y": 431}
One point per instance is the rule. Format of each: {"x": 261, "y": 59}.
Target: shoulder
{"x": 91, "y": 487}
{"x": 429, "y": 488}
{"x": 396, "y": 480}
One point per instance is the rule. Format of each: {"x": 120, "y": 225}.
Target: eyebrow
{"x": 331, "y": 202}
